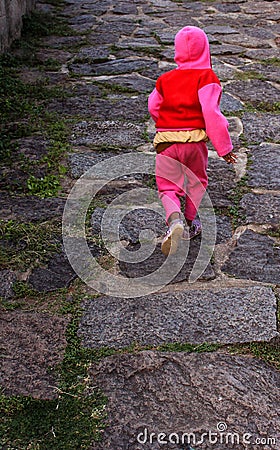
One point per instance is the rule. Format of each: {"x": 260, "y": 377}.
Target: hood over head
{"x": 192, "y": 49}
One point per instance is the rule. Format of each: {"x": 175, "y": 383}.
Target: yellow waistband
{"x": 180, "y": 136}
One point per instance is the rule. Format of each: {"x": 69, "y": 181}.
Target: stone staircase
{"x": 177, "y": 365}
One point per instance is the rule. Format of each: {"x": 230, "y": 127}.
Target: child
{"x": 185, "y": 108}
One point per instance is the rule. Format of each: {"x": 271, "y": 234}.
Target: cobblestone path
{"x": 187, "y": 357}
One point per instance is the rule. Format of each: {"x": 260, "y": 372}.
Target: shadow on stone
{"x": 58, "y": 274}
{"x": 156, "y": 260}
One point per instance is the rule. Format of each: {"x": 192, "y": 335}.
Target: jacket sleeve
{"x": 216, "y": 123}
{"x": 154, "y": 102}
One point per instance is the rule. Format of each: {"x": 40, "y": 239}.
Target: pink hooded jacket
{"x": 195, "y": 92}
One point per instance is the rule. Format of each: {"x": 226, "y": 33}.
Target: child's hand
{"x": 230, "y": 158}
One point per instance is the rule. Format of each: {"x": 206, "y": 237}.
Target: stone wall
{"x": 11, "y": 12}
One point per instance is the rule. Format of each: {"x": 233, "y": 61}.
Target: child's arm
{"x": 216, "y": 123}
{"x": 154, "y": 102}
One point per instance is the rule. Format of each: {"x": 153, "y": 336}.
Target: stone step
{"x": 220, "y": 395}
{"x": 264, "y": 169}
{"x": 261, "y": 208}
{"x": 30, "y": 209}
{"x": 255, "y": 257}
{"x": 177, "y": 268}
{"x": 124, "y": 135}
{"x": 32, "y": 344}
{"x": 261, "y": 128}
{"x": 229, "y": 315}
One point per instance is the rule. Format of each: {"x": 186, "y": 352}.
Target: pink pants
{"x": 181, "y": 172}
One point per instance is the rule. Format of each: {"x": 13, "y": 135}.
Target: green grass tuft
{"x": 249, "y": 75}
{"x": 235, "y": 211}
{"x": 69, "y": 422}
{"x": 267, "y": 351}
{"x": 27, "y": 244}
{"x": 47, "y": 186}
